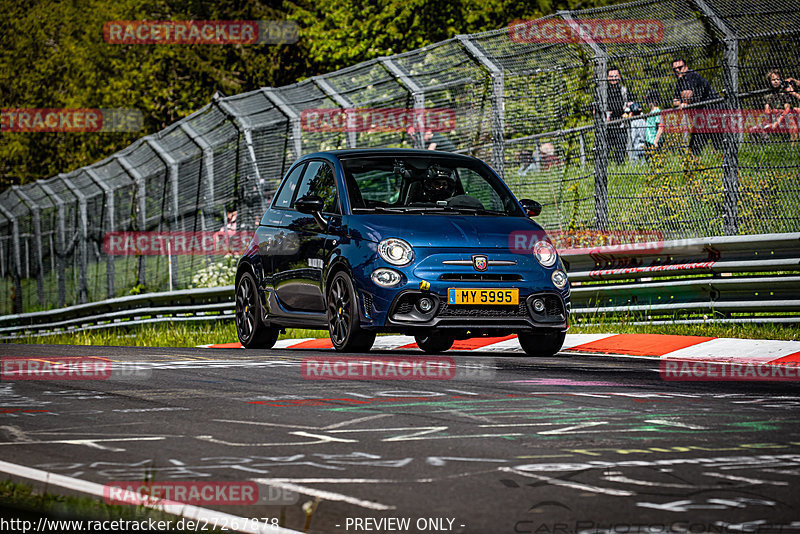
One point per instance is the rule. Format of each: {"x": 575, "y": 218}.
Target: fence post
{"x": 730, "y": 157}
{"x": 600, "y": 60}
{"x": 208, "y": 164}
{"x": 294, "y": 119}
{"x": 109, "y": 205}
{"x": 61, "y": 243}
{"x": 35, "y": 210}
{"x": 498, "y": 102}
{"x": 416, "y": 92}
{"x": 141, "y": 209}
{"x": 17, "y": 258}
{"x": 342, "y": 101}
{"x": 83, "y": 250}
{"x": 245, "y": 130}
{"x": 172, "y": 173}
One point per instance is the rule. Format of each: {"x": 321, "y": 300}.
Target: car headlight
{"x": 545, "y": 253}
{"x": 396, "y": 251}
{"x": 559, "y": 279}
{"x": 386, "y": 277}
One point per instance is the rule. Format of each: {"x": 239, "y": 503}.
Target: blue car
{"x": 418, "y": 242}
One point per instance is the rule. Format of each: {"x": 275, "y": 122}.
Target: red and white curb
{"x": 696, "y": 348}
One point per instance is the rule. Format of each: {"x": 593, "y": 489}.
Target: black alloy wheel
{"x": 251, "y": 331}
{"x": 343, "y": 317}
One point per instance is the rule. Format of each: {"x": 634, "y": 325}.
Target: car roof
{"x": 362, "y": 152}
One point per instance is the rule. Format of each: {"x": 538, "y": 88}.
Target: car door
{"x": 298, "y": 270}
{"x": 270, "y": 232}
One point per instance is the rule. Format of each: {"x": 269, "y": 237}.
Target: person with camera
{"x": 782, "y": 103}
{"x": 694, "y": 91}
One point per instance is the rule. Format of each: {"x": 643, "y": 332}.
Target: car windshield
{"x": 430, "y": 184}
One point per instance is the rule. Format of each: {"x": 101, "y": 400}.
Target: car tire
{"x": 253, "y": 334}
{"x": 542, "y": 345}
{"x": 343, "y": 317}
{"x": 434, "y": 343}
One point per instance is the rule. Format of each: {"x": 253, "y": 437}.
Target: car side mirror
{"x": 531, "y": 207}
{"x": 309, "y": 204}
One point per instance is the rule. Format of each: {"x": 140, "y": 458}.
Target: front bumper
{"x": 393, "y": 309}
{"x": 404, "y": 312}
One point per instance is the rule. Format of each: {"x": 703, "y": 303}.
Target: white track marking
{"x": 569, "y": 484}
{"x": 94, "y": 443}
{"x": 737, "y": 350}
{"x": 359, "y": 420}
{"x": 322, "y": 494}
{"x": 748, "y": 480}
{"x": 178, "y": 509}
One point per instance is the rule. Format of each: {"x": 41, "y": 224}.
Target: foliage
{"x": 218, "y": 273}
{"x": 54, "y": 56}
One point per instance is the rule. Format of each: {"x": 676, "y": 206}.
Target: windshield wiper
{"x": 387, "y": 209}
{"x": 477, "y": 211}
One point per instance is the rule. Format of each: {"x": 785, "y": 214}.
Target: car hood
{"x": 444, "y": 231}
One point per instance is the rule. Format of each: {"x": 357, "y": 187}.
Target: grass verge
{"x": 211, "y": 332}
{"x": 21, "y": 502}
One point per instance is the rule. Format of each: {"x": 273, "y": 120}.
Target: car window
{"x": 476, "y": 186}
{"x": 433, "y": 184}
{"x": 284, "y": 197}
{"x": 319, "y": 180}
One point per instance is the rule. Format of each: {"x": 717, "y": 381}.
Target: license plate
{"x": 499, "y": 297}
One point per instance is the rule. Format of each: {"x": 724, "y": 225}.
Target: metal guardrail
{"x": 188, "y": 305}
{"x": 716, "y": 276}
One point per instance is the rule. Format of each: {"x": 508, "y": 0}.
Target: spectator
{"x": 230, "y": 222}
{"x": 618, "y": 100}
{"x": 654, "y": 124}
{"x": 528, "y": 162}
{"x": 436, "y": 141}
{"x": 638, "y": 128}
{"x": 692, "y": 89}
{"x": 548, "y": 156}
{"x": 783, "y": 99}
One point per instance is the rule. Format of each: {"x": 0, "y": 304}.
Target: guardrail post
{"x": 343, "y": 102}
{"x": 417, "y": 93}
{"x": 61, "y": 243}
{"x": 600, "y": 61}
{"x": 730, "y": 163}
{"x": 141, "y": 209}
{"x": 83, "y": 251}
{"x": 17, "y": 258}
{"x": 37, "y": 236}
{"x": 245, "y": 130}
{"x": 109, "y": 207}
{"x": 498, "y": 102}
{"x": 172, "y": 171}
{"x": 294, "y": 119}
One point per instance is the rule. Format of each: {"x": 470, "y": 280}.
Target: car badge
{"x": 480, "y": 263}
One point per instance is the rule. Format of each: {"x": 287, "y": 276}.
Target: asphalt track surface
{"x": 511, "y": 444}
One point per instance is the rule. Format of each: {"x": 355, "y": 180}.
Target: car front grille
{"x": 367, "y": 303}
{"x": 480, "y": 277}
{"x": 483, "y": 311}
